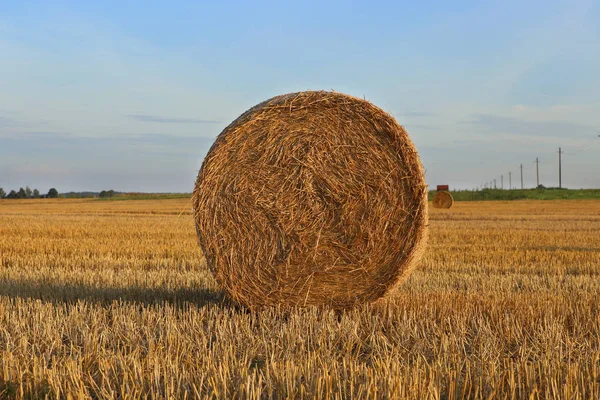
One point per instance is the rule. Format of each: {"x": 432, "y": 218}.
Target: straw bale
{"x": 443, "y": 199}
{"x": 311, "y": 198}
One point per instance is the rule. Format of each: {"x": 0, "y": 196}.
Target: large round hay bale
{"x": 443, "y": 200}
{"x": 311, "y": 198}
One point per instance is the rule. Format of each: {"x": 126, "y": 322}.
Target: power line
{"x": 537, "y": 162}
{"x": 584, "y": 146}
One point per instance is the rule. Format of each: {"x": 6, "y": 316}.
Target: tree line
{"x": 27, "y": 193}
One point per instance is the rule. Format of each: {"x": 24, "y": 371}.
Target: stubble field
{"x": 111, "y": 299}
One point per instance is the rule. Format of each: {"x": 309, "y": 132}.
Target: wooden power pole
{"x": 521, "y": 176}
{"x": 537, "y": 171}
{"x": 559, "y": 168}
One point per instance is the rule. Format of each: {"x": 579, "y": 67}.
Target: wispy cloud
{"x": 153, "y": 161}
{"x": 525, "y": 127}
{"x": 420, "y": 126}
{"x": 163, "y": 120}
{"x": 417, "y": 114}
{"x": 33, "y": 135}
{"x": 4, "y": 122}
{"x": 65, "y": 143}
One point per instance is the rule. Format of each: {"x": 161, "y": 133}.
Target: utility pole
{"x": 521, "y": 176}
{"x": 502, "y": 182}
{"x": 509, "y": 180}
{"x": 537, "y": 171}
{"x": 559, "y": 168}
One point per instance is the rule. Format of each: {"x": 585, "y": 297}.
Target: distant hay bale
{"x": 311, "y": 198}
{"x": 443, "y": 199}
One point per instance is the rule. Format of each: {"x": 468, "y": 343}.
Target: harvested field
{"x": 113, "y": 299}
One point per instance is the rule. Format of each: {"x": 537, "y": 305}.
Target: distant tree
{"x": 52, "y": 193}
{"x": 12, "y": 195}
{"x": 28, "y": 192}
{"x": 107, "y": 193}
{"x": 36, "y": 193}
{"x": 21, "y": 194}
{"x": 2, "y": 193}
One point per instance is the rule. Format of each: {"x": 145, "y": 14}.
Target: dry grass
{"x": 112, "y": 300}
{"x": 311, "y": 198}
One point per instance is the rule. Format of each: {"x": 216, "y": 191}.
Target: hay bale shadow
{"x": 72, "y": 293}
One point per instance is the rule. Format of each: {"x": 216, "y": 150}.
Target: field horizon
{"x": 549, "y": 193}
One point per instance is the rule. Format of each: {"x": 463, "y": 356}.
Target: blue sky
{"x": 129, "y": 95}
